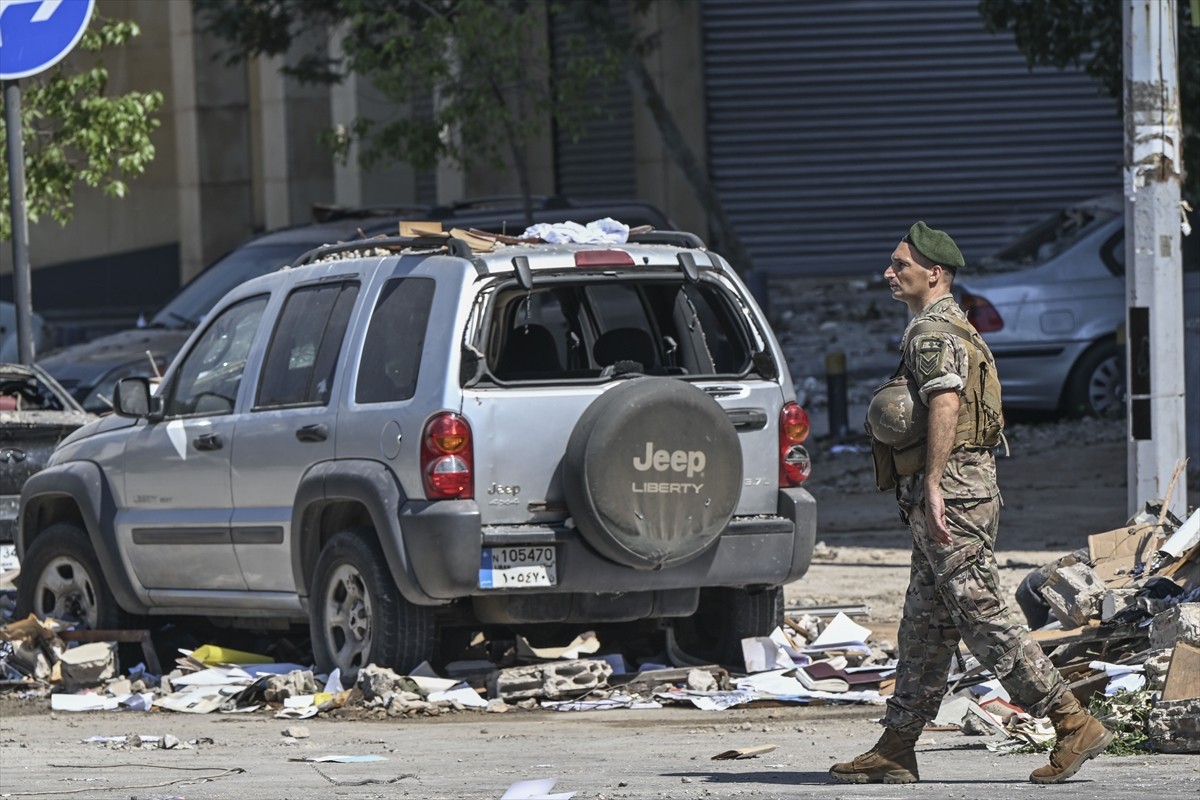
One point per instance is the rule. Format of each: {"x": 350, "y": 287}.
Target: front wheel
{"x": 357, "y": 615}
{"x": 61, "y": 578}
{"x": 724, "y": 617}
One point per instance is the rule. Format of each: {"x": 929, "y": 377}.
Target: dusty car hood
{"x": 84, "y": 364}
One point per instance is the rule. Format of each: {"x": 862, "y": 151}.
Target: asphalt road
{"x": 664, "y": 753}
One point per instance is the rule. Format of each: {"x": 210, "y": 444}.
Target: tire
{"x": 61, "y": 578}
{"x": 725, "y": 617}
{"x": 652, "y": 473}
{"x": 357, "y": 615}
{"x": 1096, "y": 386}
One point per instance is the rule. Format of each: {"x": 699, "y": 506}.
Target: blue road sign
{"x": 36, "y": 34}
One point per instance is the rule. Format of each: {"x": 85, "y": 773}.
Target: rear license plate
{"x": 517, "y": 567}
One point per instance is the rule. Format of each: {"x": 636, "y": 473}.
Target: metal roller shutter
{"x": 834, "y": 124}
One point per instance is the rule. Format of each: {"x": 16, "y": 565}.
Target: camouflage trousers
{"x": 952, "y": 597}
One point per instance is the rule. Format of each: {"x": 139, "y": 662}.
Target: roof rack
{"x": 456, "y": 247}
{"x": 676, "y": 238}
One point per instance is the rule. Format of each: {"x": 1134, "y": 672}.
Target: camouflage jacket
{"x": 940, "y": 361}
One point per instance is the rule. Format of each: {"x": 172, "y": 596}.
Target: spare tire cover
{"x": 652, "y": 472}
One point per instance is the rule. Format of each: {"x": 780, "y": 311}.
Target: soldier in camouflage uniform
{"x": 952, "y": 507}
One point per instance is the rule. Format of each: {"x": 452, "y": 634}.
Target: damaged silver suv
{"x": 385, "y": 442}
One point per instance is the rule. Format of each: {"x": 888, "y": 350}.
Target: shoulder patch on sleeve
{"x": 930, "y": 357}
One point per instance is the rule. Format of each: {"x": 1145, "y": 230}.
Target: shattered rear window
{"x": 573, "y": 330}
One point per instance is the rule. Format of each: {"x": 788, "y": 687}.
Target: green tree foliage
{"x": 1087, "y": 33}
{"x": 73, "y": 132}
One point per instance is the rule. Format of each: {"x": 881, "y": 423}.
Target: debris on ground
{"x": 1121, "y": 621}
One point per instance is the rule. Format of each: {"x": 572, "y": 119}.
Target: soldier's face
{"x": 909, "y": 279}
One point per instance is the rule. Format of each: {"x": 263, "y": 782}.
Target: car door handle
{"x": 208, "y": 441}
{"x": 313, "y": 433}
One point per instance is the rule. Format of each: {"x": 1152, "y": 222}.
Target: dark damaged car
{"x": 36, "y": 413}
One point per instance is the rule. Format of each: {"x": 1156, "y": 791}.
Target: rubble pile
{"x": 810, "y": 659}
{"x": 1121, "y": 620}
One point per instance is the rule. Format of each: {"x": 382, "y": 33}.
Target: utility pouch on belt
{"x": 885, "y": 469}
{"x": 910, "y": 460}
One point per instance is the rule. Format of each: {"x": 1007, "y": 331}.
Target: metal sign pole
{"x": 15, "y": 151}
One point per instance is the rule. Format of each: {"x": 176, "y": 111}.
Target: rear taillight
{"x": 981, "y": 314}
{"x": 447, "y": 461}
{"x": 794, "y": 463}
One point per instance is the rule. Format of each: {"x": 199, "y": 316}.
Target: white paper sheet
{"x": 535, "y": 790}
{"x": 841, "y": 630}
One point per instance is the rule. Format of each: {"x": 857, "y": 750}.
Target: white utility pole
{"x": 1153, "y": 264}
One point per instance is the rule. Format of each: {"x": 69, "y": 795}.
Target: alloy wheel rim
{"x": 1106, "y": 388}
{"x": 65, "y": 592}
{"x": 348, "y": 619}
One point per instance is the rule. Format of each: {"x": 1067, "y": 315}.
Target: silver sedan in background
{"x": 1050, "y": 305}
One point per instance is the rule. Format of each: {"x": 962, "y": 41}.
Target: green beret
{"x": 935, "y": 245}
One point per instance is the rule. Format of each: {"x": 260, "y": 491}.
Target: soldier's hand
{"x": 935, "y": 516}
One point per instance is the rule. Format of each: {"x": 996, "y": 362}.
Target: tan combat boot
{"x": 891, "y": 760}
{"x": 1080, "y": 737}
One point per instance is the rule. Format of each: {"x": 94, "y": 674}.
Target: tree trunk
{"x": 728, "y": 242}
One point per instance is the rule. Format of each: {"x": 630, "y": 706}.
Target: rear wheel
{"x": 725, "y": 617}
{"x": 358, "y": 616}
{"x": 1097, "y": 383}
{"x": 61, "y": 578}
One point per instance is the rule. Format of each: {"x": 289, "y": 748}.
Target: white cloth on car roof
{"x": 606, "y": 230}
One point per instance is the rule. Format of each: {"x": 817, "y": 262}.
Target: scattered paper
{"x": 584, "y": 643}
{"x": 215, "y": 676}
{"x": 841, "y": 631}
{"x": 462, "y": 693}
{"x": 709, "y": 701}
{"x": 744, "y": 752}
{"x": 762, "y": 653}
{"x": 83, "y": 702}
{"x": 601, "y": 704}
{"x": 535, "y": 790}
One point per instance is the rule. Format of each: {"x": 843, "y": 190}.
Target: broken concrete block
{"x": 89, "y": 664}
{"x": 552, "y": 680}
{"x": 1116, "y": 601}
{"x": 1174, "y": 726}
{"x": 381, "y": 686}
{"x": 1157, "y": 664}
{"x": 296, "y": 683}
{"x": 1177, "y": 624}
{"x": 1074, "y": 592}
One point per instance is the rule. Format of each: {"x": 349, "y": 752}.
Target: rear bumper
{"x": 443, "y": 542}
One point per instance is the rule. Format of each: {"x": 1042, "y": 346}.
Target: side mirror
{"x": 131, "y": 398}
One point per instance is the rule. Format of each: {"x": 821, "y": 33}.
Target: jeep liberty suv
{"x": 374, "y": 441}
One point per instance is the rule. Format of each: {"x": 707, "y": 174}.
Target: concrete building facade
{"x": 797, "y": 109}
